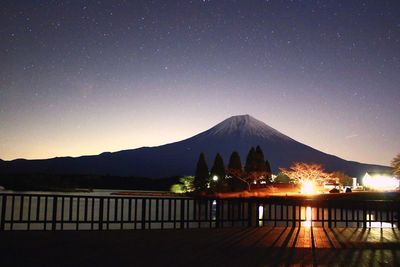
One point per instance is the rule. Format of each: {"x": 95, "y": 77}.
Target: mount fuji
{"x": 237, "y": 133}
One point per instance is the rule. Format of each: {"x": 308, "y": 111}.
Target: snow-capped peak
{"x": 245, "y": 125}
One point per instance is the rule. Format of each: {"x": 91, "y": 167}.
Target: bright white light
{"x": 260, "y": 212}
{"x": 380, "y": 182}
{"x": 215, "y": 178}
{"x": 307, "y": 188}
{"x": 354, "y": 182}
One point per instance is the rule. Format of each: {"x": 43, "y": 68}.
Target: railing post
{"x": 300, "y": 220}
{"x": 257, "y": 222}
{"x": 143, "y": 213}
{"x": 398, "y": 214}
{"x": 249, "y": 213}
{"x": 54, "y": 214}
{"x": 397, "y": 209}
{"x": 364, "y": 216}
{"x": 3, "y": 213}
{"x": 329, "y": 217}
{"x": 101, "y": 210}
{"x": 45, "y": 212}
{"x": 182, "y": 213}
{"x": 293, "y": 215}
{"x": 218, "y": 213}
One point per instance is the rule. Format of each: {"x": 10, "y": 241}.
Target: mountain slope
{"x": 236, "y": 133}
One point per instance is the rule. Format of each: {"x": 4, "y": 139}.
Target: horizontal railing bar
{"x": 97, "y": 197}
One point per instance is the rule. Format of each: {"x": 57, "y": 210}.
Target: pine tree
{"x": 218, "y": 169}
{"x": 202, "y": 174}
{"x": 259, "y": 160}
{"x": 268, "y": 166}
{"x": 250, "y": 161}
{"x": 235, "y": 171}
{"x": 234, "y": 162}
{"x": 268, "y": 170}
{"x": 256, "y": 167}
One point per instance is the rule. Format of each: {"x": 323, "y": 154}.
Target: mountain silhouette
{"x": 237, "y": 133}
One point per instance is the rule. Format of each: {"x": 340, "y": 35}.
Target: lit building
{"x": 331, "y": 183}
{"x": 380, "y": 181}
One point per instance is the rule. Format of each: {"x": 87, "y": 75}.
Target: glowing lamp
{"x": 307, "y": 188}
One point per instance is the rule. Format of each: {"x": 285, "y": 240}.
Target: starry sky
{"x": 84, "y": 77}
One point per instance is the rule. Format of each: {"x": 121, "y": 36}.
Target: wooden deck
{"x": 203, "y": 247}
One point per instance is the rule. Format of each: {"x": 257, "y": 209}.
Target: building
{"x": 380, "y": 181}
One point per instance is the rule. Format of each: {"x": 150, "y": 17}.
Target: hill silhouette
{"x": 237, "y": 133}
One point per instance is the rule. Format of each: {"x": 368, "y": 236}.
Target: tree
{"x": 186, "y": 185}
{"x": 282, "y": 178}
{"x": 268, "y": 166}
{"x": 202, "y": 174}
{"x": 396, "y": 165}
{"x": 235, "y": 172}
{"x": 235, "y": 162}
{"x": 259, "y": 160}
{"x": 300, "y": 173}
{"x": 218, "y": 172}
{"x": 255, "y": 168}
{"x": 250, "y": 161}
{"x": 268, "y": 169}
{"x": 343, "y": 178}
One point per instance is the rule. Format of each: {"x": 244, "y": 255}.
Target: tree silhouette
{"x": 268, "y": 170}
{"x": 396, "y": 165}
{"x": 282, "y": 178}
{"x": 259, "y": 160}
{"x": 218, "y": 167}
{"x": 235, "y": 162}
{"x": 218, "y": 172}
{"x": 268, "y": 166}
{"x": 235, "y": 172}
{"x": 250, "y": 161}
{"x": 343, "y": 178}
{"x": 256, "y": 168}
{"x": 202, "y": 174}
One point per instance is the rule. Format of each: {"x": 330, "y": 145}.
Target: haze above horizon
{"x": 85, "y": 77}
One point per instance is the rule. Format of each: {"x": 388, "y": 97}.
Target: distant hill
{"x": 235, "y": 133}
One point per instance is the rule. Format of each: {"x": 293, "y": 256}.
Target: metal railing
{"x": 328, "y": 213}
{"x": 80, "y": 212}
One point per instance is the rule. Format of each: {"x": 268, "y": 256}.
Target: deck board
{"x": 263, "y": 246}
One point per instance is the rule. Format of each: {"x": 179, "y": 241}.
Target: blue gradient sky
{"x": 83, "y": 77}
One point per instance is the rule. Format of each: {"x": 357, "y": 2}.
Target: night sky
{"x": 84, "y": 77}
